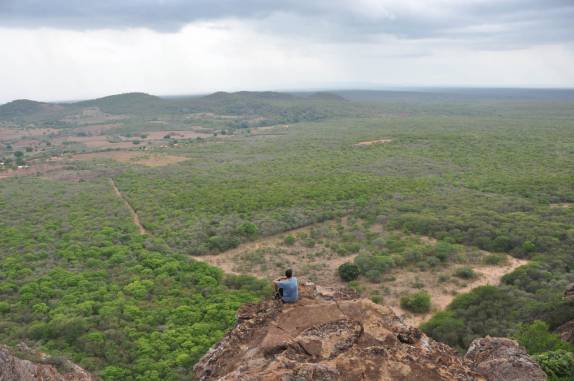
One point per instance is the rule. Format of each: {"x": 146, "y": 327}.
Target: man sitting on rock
{"x": 287, "y": 287}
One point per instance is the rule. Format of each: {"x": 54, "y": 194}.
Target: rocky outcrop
{"x": 502, "y": 359}
{"x": 328, "y": 335}
{"x": 566, "y": 331}
{"x": 13, "y": 368}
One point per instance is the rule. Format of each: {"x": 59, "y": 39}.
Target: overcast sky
{"x": 75, "y": 49}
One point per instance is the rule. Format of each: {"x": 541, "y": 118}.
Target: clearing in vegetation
{"x": 393, "y": 264}
{"x": 147, "y": 159}
{"x": 371, "y": 142}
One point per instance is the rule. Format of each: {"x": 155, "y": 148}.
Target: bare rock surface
{"x": 502, "y": 359}
{"x": 329, "y": 335}
{"x": 13, "y": 368}
{"x": 569, "y": 293}
{"x": 566, "y": 331}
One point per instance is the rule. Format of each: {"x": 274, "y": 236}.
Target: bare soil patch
{"x": 268, "y": 258}
{"x": 97, "y": 129}
{"x": 34, "y": 169}
{"x": 132, "y": 157}
{"x": 176, "y": 134}
{"x": 442, "y": 293}
{"x": 270, "y": 129}
{"x": 371, "y": 142}
{"x": 154, "y": 160}
{"x": 7, "y": 133}
{"x": 562, "y": 205}
{"x": 23, "y": 143}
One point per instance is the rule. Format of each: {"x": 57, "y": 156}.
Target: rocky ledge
{"x": 13, "y": 368}
{"x": 332, "y": 335}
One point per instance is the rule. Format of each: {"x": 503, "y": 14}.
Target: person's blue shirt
{"x": 290, "y": 289}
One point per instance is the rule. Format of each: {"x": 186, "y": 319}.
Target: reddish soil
{"x": 100, "y": 142}
{"x": 7, "y": 133}
{"x": 34, "y": 169}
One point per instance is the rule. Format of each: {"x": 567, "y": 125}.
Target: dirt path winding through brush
{"x": 135, "y": 217}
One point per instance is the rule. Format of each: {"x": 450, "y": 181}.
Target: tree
{"x": 348, "y": 271}
{"x": 248, "y": 229}
{"x": 19, "y": 155}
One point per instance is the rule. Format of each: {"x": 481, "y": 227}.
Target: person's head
{"x": 288, "y": 273}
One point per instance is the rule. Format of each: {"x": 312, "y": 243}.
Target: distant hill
{"x": 290, "y": 107}
{"x": 248, "y": 95}
{"x": 22, "y": 107}
{"x": 128, "y": 103}
{"x": 325, "y": 96}
{"x": 241, "y": 103}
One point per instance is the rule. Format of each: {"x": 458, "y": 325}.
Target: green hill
{"x": 25, "y": 107}
{"x": 129, "y": 103}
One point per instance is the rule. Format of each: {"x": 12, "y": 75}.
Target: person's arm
{"x": 276, "y": 281}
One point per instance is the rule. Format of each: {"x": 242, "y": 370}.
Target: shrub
{"x": 4, "y": 307}
{"x": 289, "y": 240}
{"x": 222, "y": 243}
{"x": 433, "y": 261}
{"x": 354, "y": 285}
{"x": 419, "y": 302}
{"x": 368, "y": 262}
{"x": 348, "y": 271}
{"x": 443, "y": 251}
{"x": 494, "y": 259}
{"x": 443, "y": 278}
{"x": 558, "y": 365}
{"x": 309, "y": 242}
{"x": 445, "y": 327}
{"x": 248, "y": 229}
{"x": 537, "y": 338}
{"x": 465, "y": 273}
{"x": 373, "y": 276}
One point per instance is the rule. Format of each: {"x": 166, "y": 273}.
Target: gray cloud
{"x": 488, "y": 24}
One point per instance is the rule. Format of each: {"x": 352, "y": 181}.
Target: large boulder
{"x": 569, "y": 293}
{"x": 13, "y": 368}
{"x": 328, "y": 335}
{"x": 502, "y": 359}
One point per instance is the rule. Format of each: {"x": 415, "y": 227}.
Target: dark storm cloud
{"x": 486, "y": 23}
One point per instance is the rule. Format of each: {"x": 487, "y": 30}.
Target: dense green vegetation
{"x": 483, "y": 170}
{"x": 556, "y": 357}
{"x": 77, "y": 278}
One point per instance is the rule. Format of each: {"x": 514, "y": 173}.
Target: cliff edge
{"x": 328, "y": 335}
